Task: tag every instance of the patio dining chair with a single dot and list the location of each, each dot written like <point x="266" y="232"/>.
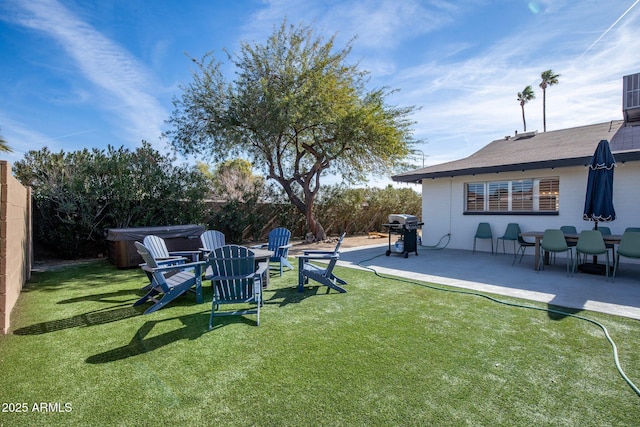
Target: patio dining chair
<point x="523" y="245"/>
<point x="483" y="232"/>
<point x="569" y="229"/>
<point x="553" y="241"/>
<point x="606" y="231"/>
<point x="629" y="247"/>
<point x="590" y="242"/>
<point x="511" y="233"/>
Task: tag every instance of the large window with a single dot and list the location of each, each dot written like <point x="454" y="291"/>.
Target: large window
<point x="536" y="195"/>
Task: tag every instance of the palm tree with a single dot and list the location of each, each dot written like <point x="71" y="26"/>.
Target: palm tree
<point x="548" y="79"/>
<point x="523" y="97"/>
<point x="3" y="146"/>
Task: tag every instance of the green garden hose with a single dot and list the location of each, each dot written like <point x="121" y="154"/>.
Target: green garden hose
<point x="490" y="298"/>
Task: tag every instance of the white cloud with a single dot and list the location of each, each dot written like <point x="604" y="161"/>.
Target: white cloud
<point x="126" y="84"/>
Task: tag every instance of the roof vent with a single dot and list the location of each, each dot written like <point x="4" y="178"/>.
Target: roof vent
<point x="631" y="98"/>
<point x="525" y="135"/>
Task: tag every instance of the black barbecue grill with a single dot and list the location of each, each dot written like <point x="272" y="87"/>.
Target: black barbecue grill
<point x="406" y="228"/>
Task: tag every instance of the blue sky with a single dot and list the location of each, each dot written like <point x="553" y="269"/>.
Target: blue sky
<point x="77" y="74"/>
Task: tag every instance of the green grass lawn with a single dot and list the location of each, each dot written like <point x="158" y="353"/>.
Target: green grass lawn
<point x="386" y="353"/>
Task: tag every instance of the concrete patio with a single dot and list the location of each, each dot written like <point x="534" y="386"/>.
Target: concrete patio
<point x="483" y="272"/>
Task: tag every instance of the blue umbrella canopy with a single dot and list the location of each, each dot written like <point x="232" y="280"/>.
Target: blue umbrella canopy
<point x="598" y="203"/>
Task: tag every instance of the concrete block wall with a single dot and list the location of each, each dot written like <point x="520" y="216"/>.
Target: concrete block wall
<point x="16" y="244"/>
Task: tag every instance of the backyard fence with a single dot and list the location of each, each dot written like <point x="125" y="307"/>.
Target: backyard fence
<point x="16" y="254"/>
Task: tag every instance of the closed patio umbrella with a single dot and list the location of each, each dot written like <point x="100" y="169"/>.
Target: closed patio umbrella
<point x="598" y="202"/>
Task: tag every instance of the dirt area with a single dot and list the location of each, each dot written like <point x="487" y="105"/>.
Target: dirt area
<point x="330" y="244"/>
<point x="298" y="247"/>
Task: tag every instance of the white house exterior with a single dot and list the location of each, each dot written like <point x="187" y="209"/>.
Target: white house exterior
<point x="537" y="180"/>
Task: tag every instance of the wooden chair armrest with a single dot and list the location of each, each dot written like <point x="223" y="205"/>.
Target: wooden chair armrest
<point x="164" y="268"/>
<point x="262" y="267"/>
<point x="329" y="255"/>
<point x="318" y="252"/>
<point x="171" y="259"/>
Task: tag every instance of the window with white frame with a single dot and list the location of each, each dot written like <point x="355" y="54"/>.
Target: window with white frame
<point x="534" y="195"/>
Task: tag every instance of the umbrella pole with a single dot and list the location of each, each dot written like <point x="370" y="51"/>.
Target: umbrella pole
<point x="595" y="257"/>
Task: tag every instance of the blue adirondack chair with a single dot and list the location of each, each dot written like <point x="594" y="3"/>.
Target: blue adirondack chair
<point x="279" y="244"/>
<point x="322" y="274"/>
<point x="211" y="239"/>
<point x="235" y="280"/>
<point x="158" y="249"/>
<point x="169" y="281"/>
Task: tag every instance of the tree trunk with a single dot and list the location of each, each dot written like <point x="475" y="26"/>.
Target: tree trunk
<point x="544" y="110"/>
<point x="306" y="208"/>
<point x="315" y="227"/>
<point x="524" y="122"/>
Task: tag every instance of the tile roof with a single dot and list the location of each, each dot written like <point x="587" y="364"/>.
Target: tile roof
<point x="532" y="150"/>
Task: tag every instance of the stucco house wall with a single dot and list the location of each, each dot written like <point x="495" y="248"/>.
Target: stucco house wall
<point x="443" y="205"/>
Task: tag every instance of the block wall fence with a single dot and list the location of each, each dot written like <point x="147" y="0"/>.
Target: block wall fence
<point x="16" y="243"/>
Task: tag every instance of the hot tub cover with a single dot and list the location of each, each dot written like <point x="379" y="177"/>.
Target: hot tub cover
<point x="166" y="232"/>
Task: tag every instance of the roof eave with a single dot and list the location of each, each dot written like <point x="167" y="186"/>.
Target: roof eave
<point x="546" y="164"/>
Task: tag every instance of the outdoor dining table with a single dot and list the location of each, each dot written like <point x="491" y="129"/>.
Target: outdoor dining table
<point x="569" y="237"/>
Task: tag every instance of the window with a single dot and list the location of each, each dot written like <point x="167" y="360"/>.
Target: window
<point x="535" y="195"/>
<point x="475" y="197"/>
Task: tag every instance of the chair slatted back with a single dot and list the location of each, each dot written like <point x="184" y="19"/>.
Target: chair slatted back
<point x="340" y="240"/>
<point x="279" y="237"/>
<point x="233" y="273"/>
<point x="212" y="239"/>
<point x="146" y="255"/>
<point x="159" y="279"/>
<point x="156" y="246"/>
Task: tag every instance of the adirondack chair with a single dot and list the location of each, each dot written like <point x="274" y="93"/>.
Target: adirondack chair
<point x="158" y="250"/>
<point x="236" y="281"/>
<point x="321" y="274"/>
<point x="170" y="281"/>
<point x="210" y="240"/>
<point x="279" y="244"/>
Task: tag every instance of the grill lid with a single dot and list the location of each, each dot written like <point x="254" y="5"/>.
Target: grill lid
<point x="403" y="219"/>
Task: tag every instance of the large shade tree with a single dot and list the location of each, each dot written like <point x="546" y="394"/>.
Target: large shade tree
<point x="523" y="97"/>
<point x="297" y="109"/>
<point x="548" y="78"/>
